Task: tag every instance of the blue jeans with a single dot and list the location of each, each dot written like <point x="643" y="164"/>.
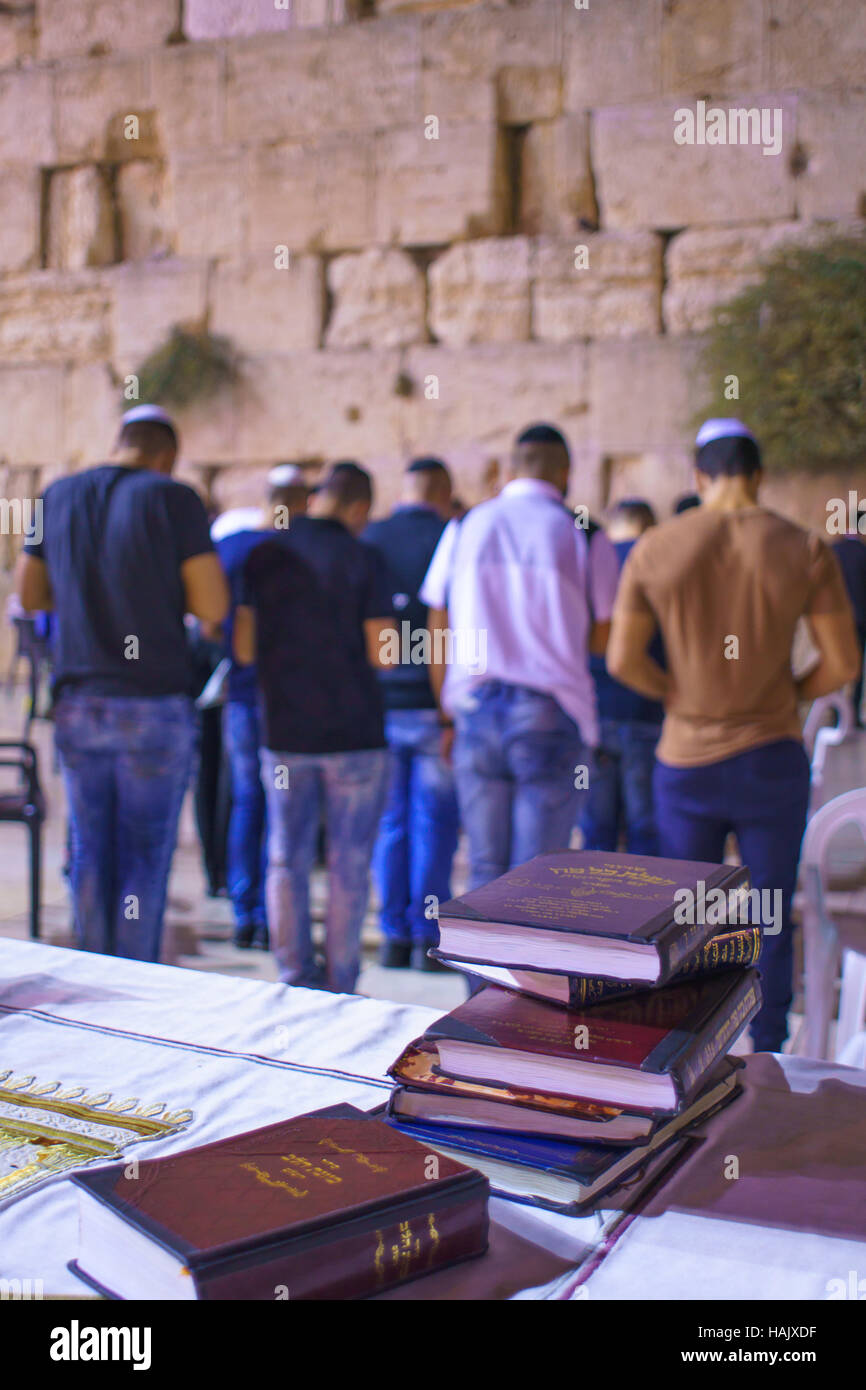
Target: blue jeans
<point x="418" y="831"/>
<point x="515" y="755"/>
<point x="761" y="796"/>
<point x="349" y="790"/>
<point x="620" y="793"/>
<point x="246" y="852"/>
<point x="126" y="764"/>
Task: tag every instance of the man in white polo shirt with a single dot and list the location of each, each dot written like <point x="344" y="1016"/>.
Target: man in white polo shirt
<point x="519" y="594"/>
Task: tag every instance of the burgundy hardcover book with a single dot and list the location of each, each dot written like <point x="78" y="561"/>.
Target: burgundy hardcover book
<point x="648" y="1052"/>
<point x="331" y="1205"/>
<point x="624" y="917"/>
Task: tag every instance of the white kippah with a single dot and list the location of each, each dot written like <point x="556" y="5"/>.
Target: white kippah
<point x="139" y="413"/>
<point x="721" y="429"/>
<point x="287" y="475"/>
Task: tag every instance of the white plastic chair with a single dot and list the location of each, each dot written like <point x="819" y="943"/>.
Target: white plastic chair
<point x="838" y="704"/>
<point x="834" y="923"/>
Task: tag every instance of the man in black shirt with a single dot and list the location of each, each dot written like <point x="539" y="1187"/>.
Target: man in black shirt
<point x="125" y="554"/>
<point x="315" y="608"/>
<point x="418" y="834"/>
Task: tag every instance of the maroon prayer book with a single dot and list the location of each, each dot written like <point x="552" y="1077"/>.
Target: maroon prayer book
<point x="331" y="1205"/>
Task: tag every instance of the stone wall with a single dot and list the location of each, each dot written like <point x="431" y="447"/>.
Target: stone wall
<point x="486" y="218"/>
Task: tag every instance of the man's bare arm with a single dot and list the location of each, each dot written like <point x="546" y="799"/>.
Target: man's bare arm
<point x="32" y="584"/>
<point x="244" y="636"/>
<point x="599" y="636"/>
<point x="628" y="659"/>
<point x="437" y="623"/>
<point x="205" y="587"/>
<point x="836" y="639"/>
<point x="376" y="633"/>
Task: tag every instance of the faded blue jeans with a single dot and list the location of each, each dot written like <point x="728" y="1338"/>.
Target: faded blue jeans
<point x="418" y="833"/>
<point x="515" y="755"/>
<point x="620" y="793"/>
<point x="126" y="764"/>
<point x="349" y="790"/>
<point x="246" y="855"/>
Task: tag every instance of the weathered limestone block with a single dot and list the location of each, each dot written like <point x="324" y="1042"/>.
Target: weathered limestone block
<point x="817" y="45"/>
<point x="713" y="50"/>
<point x="556" y="184"/>
<point x="17" y="35"/>
<point x="529" y="93"/>
<point x="645" y="179"/>
<point x="103" y="26"/>
<point x="359" y="77"/>
<point x="315" y="14"/>
<point x="80" y="226"/>
<point x="606" y="285"/>
<point x="19" y="225"/>
<point x="262" y="309"/>
<point x="26" y="131"/>
<point x="176" y="73"/>
<point x="434" y="191"/>
<point x="612" y="52"/>
<point x="145" y="208"/>
<point x="54" y="316"/>
<point x="483" y="40"/>
<point x="832" y="132"/>
<point x="92" y="405"/>
<point x="479" y="292"/>
<point x="378" y="300"/>
<point x="643" y="394"/>
<point x="150" y="298"/>
<point x="424" y="6"/>
<point x="220" y="19"/>
<point x="325" y="404"/>
<point x="707" y="267"/>
<point x="317" y="195"/>
<point x="209" y="199"/>
<point x="31" y="410"/>
<point x="93" y="103"/>
<point x="457" y="96"/>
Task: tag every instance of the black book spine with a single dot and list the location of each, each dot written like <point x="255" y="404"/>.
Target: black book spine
<point x="719" y="953"/>
<point x="717" y="1036"/>
<point x="678" y="941"/>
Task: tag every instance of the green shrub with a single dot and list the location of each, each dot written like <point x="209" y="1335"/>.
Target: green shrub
<point x="796" y="341"/>
<point x="188" y="367"/>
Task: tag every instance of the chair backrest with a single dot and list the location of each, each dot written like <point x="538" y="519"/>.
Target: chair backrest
<point x="816" y="725"/>
<point x="848" y="809"/>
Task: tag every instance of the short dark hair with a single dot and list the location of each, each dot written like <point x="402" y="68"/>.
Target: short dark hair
<point x="428" y="463"/>
<point x="686" y="502"/>
<point x="732" y="457"/>
<point x="347" y="482"/>
<point x="149" y="437"/>
<point x="543" y="434"/>
<point x="635" y="509"/>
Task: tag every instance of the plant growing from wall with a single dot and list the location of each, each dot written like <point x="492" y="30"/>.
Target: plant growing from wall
<point x="796" y="343"/>
<point x="190" y="366"/>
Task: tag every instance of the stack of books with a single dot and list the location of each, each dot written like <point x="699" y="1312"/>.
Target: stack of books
<point x="609" y="989"/>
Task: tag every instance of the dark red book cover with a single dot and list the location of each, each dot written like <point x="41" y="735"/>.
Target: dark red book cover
<point x="337" y="1202"/>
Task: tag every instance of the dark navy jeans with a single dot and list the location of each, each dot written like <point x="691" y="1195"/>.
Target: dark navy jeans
<point x="418" y="830"/>
<point x="515" y="757"/>
<point x="127" y="763"/>
<point x="761" y="796"/>
<point x="619" y="799"/>
<point x="247" y="850"/>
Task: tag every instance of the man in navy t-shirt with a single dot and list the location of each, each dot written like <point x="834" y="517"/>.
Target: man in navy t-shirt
<point x="418" y="834"/>
<point x="850" y="551"/>
<point x="287" y="498"/>
<point x="125" y="554"/>
<point x="315" y="609"/>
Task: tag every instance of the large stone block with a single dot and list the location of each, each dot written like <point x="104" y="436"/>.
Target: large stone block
<point x="262" y="309"/>
<point x="54" y="316"/>
<point x="220" y="19"/>
<point x="707" y="267"/>
<point x="612" y="52"/>
<point x="482" y="41"/>
<point x="31" y="407"/>
<point x="378" y="300"/>
<point x="557" y="191"/>
<point x="357" y="78"/>
<point x="103" y="26"/>
<point x="80" y="228"/>
<point x="17" y="35"/>
<point x="433" y="191"/>
<point x="26" y="129"/>
<point x="479" y="292"/>
<point x="643" y="394"/>
<point x="93" y="103"/>
<point x="149" y="299"/>
<point x="209" y="193"/>
<point x="529" y="93"/>
<point x="606" y="285"/>
<point x="188" y="124"/>
<point x="832" y="131"/>
<point x="457" y="96"/>
<point x="317" y="195"/>
<point x="144" y="207"/>
<point x="92" y="405"/>
<point x="817" y="45"/>
<point x="713" y="50"/>
<point x="20" y="223"/>
<point x="645" y="179"/>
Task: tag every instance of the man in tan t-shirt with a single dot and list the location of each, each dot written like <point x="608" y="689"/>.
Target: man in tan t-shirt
<point x="726" y="583"/>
